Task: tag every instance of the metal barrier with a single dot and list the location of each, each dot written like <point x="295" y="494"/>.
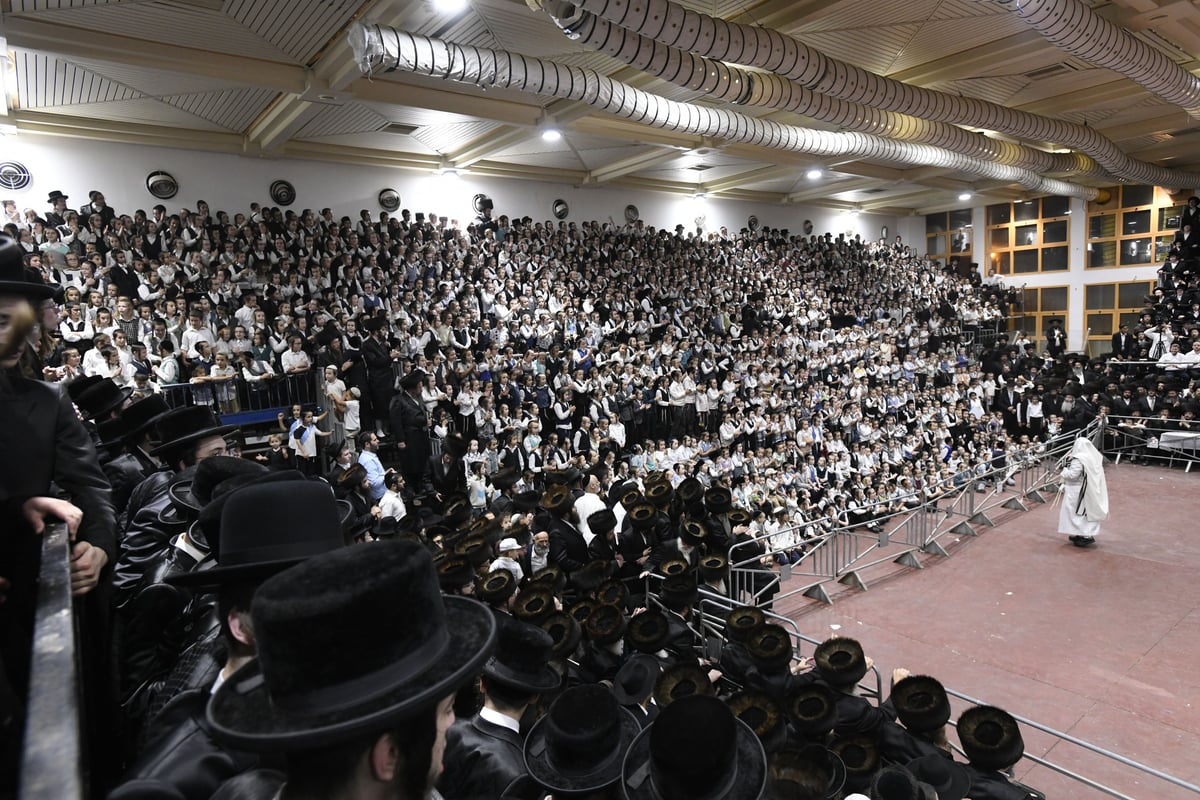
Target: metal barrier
<point x="53" y="749"/>
<point x="843" y="553"/>
<point x="242" y="402"/>
<point x="1132" y="437"/>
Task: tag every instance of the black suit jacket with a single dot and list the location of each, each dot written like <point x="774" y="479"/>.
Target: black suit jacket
<point x="481" y="760"/>
<point x="567" y="547"/>
<point x="994" y="786"/>
<point x="1124" y="344"/>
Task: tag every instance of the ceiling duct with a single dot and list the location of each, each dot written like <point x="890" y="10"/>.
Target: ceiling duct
<point x="379" y="48"/>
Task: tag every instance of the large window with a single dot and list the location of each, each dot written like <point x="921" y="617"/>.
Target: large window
<point x="1111" y="305"/>
<point x="1134" y="228"/>
<point x="948" y="234"/>
<point x="1029" y="236"/>
<point x="1041" y="305"/>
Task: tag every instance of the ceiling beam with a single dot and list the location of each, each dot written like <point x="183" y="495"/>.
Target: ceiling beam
<point x="970" y="62"/>
<point x="646" y="159"/>
<point x="397" y="90"/>
<point x="750" y="177"/>
<point x="823" y="188"/>
<point x="87" y="44"/>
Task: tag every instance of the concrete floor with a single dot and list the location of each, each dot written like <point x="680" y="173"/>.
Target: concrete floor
<point x="1100" y="643"/>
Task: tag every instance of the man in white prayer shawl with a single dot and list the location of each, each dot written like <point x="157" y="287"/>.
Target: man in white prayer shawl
<point x="1085" y="494"/>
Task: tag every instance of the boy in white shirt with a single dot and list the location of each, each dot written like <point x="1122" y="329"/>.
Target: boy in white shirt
<point x="352" y="416"/>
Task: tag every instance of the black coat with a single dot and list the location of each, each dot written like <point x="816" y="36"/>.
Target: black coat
<point x="994" y="786"/>
<point x="152" y="524"/>
<point x="410" y="426"/>
<point x="567" y="547"/>
<point x="183" y="753"/>
<point x="481" y="760"/>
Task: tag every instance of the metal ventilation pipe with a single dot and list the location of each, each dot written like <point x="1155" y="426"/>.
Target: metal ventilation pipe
<point x="379" y="48"/>
<point x="1075" y="28"/>
<point x="766" y="89"/>
<point x="672" y="24"/>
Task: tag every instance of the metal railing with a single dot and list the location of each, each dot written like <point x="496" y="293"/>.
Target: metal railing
<point x="247" y="401"/>
<point x="1147" y="438"/>
<point x="53" y="749"/>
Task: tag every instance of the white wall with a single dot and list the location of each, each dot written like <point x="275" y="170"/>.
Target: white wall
<point x="230" y="183"/>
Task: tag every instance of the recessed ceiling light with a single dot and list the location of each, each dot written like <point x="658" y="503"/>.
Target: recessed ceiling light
<point x="449" y="6"/>
<point x="551" y="134"/>
<point x="813" y="174"/>
<point x="965" y="196"/>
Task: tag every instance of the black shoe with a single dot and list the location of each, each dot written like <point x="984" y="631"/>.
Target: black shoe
<point x="1083" y="541"/>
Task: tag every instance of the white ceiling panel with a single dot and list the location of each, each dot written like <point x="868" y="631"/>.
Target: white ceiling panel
<point x="339" y="120"/>
<point x="232" y="109"/>
<point x="156" y="82"/>
<point x="46" y="81"/>
<point x="148" y="111"/>
<point x="448" y="138"/>
<point x="299" y="28"/>
<point x="383" y="142"/>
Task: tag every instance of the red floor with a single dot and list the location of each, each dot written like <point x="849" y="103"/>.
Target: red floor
<point x="1101" y="643"/>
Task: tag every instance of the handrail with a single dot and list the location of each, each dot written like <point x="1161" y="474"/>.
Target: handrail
<point x="53" y="747"/>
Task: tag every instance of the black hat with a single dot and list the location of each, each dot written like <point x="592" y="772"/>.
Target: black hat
<point x="605" y="625"/>
<point x="375" y="324"/>
<point x="741" y="621"/>
<point x="56" y="195"/>
<point x="812" y="710"/>
<point x="185" y="426"/>
<point x="659" y="493"/>
<point x="304" y="522"/>
<point x="762" y="714"/>
<point x="921" y="703"/>
<point x="949" y="779"/>
<point x="693" y="533"/>
<point x="14" y="279"/>
<point x="111" y="432"/>
<point x="551" y="577"/>
<point x="689" y="490"/>
<point x="648" y="632"/>
<point x="140" y="414"/>
<point x="860" y="755"/>
<point x="565" y="631"/>
<point x="840" y="661"/>
<point x="526" y="501"/>
<point x="589" y="577"/>
<point x="522" y="659"/>
<point x="80" y="385"/>
<point x="714" y="567"/>
<point x="453" y="573"/>
<point x="806" y="771"/>
<point x="895" y="783"/>
<point x="534" y="604"/>
<point x="678" y="592"/>
<point x="191" y="492"/>
<point x="695" y="748"/>
<point x="770" y="646"/>
<point x="496" y="587"/>
<point x="681" y="680"/>
<point x="635" y="679"/>
<point x="579" y="745"/>
<point x="474" y="549"/>
<point x="739" y="516"/>
<point x="505" y="478"/>
<point x="455" y="445"/>
<point x="556" y="499"/>
<point x="674" y="566"/>
<point x="206" y="532"/>
<point x="990" y="738"/>
<point x="412" y="380"/>
<point x="718" y="500"/>
<point x="602" y="522"/>
<point x="642" y="515"/>
<point x="102" y="398"/>
<point x="613" y="592"/>
<point x="582" y="610"/>
<point x="349" y="644"/>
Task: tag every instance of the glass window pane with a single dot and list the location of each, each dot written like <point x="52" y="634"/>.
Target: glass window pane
<point x="1102" y="226"/>
<point x="960" y="241"/>
<point x="1133" y="222"/>
<point x="1055" y="207"/>
<point x="999" y="214"/>
<point x="1137" y="251"/>
<point x="1026" y="211"/>
<point x="1168" y="218"/>
<point x="961" y="218"/>
<point x="1054" y="232"/>
<point x="1031" y="301"/>
<point x="935" y="223"/>
<point x="1130" y="318"/>
<point x="1099" y="296"/>
<point x="1054" y="298"/>
<point x="1054" y="259"/>
<point x="1026" y="235"/>
<point x="1025" y="261"/>
<point x="935" y="245"/>
<point x="1102" y="254"/>
<point x="1162" y="247"/>
<point x="1133" y="295"/>
<point x="1100" y="324"/>
<point x="1136" y="196"/>
<point x="1001" y="262"/>
<point x="998" y="237"/>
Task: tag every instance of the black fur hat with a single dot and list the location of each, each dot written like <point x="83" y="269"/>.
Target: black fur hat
<point x="349" y="644"/>
<point x="921" y="703"/>
<point x="840" y="661"/>
<point x="990" y="738"/>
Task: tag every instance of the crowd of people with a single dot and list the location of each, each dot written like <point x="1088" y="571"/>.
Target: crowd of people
<point x="572" y="424"/>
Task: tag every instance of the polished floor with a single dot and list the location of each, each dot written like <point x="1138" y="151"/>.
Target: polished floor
<point x="1102" y="643"/>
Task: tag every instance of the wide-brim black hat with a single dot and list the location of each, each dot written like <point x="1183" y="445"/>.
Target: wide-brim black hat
<point x="648" y="632"/>
<point x="613" y="592"/>
<point x="505" y="478"/>
<point x="990" y="737"/>
<point x="141" y="414"/>
<point x="496" y="587"/>
<point x="350" y="644"/>
<point x="812" y="710"/>
<point x="186" y="426"/>
<point x="948" y="778"/>
<point x="304" y="521"/>
<point x="526" y="501"/>
<point x="521" y="660"/>
<point x="580" y="746"/>
<point x="718" y="500"/>
<point x="745" y="777"/>
<point x="103" y="398"/>
<point x="565" y="631"/>
<point x="454" y="445"/>
<point x="14" y="279"/>
<point x="412" y="380"/>
<point x="921" y="703"/>
<point x="806" y="766"/>
<point x="635" y="680"/>
<point x="689" y="491"/>
<point x="556" y="499"/>
<point x="550" y="577"/>
<point x="660" y="493"/>
<point x="193" y="491"/>
<point x="840" y="661"/>
<point x="860" y="755"/>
